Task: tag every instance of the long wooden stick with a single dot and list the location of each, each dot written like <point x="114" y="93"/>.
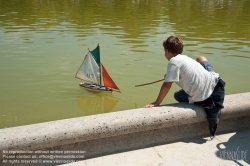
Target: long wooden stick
<point x="149" y="83"/>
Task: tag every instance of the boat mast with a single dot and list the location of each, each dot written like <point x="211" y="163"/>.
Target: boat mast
<point x="100" y="64"/>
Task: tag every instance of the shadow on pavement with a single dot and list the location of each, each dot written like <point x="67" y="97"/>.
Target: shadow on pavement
<point x="236" y="149"/>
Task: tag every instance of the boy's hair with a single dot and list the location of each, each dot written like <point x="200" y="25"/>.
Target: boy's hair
<point x="174" y="45"/>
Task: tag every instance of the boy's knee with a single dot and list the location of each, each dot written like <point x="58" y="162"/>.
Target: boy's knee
<point x="175" y="96"/>
<point x="181" y="96"/>
<point x="178" y="96"/>
<point x="201" y="59"/>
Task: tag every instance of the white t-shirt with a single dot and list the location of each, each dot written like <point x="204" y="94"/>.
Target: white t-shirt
<point x="192" y="77"/>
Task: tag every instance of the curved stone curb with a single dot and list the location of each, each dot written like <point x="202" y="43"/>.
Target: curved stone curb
<point x="97" y="127"/>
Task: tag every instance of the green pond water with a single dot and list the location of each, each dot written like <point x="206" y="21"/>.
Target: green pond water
<point x="43" y="43"/>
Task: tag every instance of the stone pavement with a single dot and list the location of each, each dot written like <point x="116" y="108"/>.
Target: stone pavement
<point x="224" y="150"/>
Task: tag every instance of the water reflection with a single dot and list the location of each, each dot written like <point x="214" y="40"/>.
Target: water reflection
<point x="82" y="15"/>
<point x="131" y="21"/>
<point x="238" y="56"/>
<point x="97" y="103"/>
<point x="211" y="18"/>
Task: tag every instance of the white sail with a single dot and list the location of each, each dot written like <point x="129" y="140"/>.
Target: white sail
<point x="89" y="70"/>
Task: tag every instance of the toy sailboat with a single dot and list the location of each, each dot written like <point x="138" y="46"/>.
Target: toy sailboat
<point x="93" y="72"/>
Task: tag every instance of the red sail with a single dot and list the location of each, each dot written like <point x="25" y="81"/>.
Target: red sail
<point x="107" y="80"/>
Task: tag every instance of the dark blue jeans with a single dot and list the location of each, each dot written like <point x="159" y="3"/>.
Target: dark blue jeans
<point x="213" y="104"/>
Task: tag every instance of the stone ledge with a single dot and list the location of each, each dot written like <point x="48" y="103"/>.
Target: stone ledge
<point x="125" y="130"/>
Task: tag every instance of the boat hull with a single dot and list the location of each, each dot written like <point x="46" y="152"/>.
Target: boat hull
<point x="96" y="88"/>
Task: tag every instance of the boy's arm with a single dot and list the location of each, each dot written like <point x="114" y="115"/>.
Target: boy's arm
<point x="163" y="92"/>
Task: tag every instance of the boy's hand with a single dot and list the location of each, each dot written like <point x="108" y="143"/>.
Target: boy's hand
<point x="150" y="105"/>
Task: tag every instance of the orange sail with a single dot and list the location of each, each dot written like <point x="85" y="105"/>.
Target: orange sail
<point x="107" y="80"/>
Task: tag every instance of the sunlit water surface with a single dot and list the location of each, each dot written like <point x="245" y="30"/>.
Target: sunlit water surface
<point x="42" y="44"/>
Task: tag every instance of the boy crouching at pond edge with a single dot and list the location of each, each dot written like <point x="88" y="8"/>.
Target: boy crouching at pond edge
<point x="199" y="83"/>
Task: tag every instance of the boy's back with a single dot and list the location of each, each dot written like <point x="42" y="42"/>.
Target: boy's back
<point x="191" y="77"/>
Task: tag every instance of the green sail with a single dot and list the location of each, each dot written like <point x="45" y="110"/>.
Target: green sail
<point x="96" y="54"/>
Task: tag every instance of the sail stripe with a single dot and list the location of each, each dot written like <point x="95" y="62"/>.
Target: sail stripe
<point x="96" y="54"/>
